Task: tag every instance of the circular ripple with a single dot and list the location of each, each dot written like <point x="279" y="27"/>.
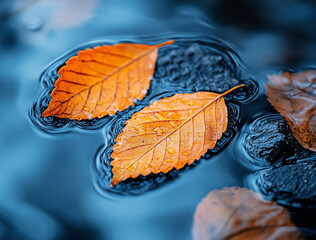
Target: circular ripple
<point x="267" y="141"/>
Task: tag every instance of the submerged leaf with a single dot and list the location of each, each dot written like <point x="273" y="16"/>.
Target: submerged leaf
<point x="239" y="213"/>
<point x="170" y="133"/>
<point x="103" y="80"/>
<point x="294" y="96"/>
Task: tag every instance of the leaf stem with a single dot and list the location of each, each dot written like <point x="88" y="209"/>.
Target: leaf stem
<point x="232" y="89"/>
<point x="165" y="43"/>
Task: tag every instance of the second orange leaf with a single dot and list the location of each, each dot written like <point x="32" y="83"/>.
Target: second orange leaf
<point x="170" y="133"/>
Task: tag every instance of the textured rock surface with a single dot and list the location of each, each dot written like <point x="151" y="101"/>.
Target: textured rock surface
<point x="269" y="142"/>
<point x="293" y="184"/>
<point x="193" y="67"/>
<point x="287" y="171"/>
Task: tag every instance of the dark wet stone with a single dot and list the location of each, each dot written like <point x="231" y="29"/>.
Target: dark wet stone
<point x="201" y="70"/>
<point x="291" y="185"/>
<point x="269" y="142"/>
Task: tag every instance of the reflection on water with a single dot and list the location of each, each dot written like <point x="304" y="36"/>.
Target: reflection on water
<point x="46" y="183"/>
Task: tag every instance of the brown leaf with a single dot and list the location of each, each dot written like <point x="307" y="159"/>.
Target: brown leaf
<point x="294" y="97"/>
<point x="168" y="134"/>
<point x="239" y="213"/>
<point x="103" y="80"/>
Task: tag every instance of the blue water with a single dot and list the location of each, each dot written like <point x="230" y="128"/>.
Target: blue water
<point x="48" y="180"/>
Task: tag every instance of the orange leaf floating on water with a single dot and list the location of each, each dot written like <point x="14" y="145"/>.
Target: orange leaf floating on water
<point x="103" y="80"/>
<point x="170" y="133"/>
<point x="239" y="213"/>
<point x="294" y="97"/>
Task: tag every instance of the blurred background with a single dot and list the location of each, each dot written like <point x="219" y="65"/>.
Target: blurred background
<point x="46" y="188"/>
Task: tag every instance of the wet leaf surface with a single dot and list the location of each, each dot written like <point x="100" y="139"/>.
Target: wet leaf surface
<point x="239" y="213"/>
<point x="294" y="96"/>
<point x="292" y="185"/>
<point x="103" y="80"/>
<point x="170" y="133"/>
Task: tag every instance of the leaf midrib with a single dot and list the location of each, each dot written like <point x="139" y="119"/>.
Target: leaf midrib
<point x="111" y="73"/>
<point x="186" y="121"/>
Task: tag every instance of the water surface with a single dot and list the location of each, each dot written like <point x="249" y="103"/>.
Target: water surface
<point x="48" y="171"/>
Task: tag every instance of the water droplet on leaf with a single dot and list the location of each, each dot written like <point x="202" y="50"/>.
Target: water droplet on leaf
<point x="170" y="150"/>
<point x="158" y="130"/>
<point x="191" y="103"/>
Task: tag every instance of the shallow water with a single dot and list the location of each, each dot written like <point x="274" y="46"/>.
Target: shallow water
<point x="48" y="168"/>
<point x="189" y="65"/>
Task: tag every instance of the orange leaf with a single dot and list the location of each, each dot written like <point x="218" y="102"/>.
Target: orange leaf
<point x="294" y="97"/>
<point x="168" y="134"/>
<point x="103" y="80"/>
<point x="239" y="213"/>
